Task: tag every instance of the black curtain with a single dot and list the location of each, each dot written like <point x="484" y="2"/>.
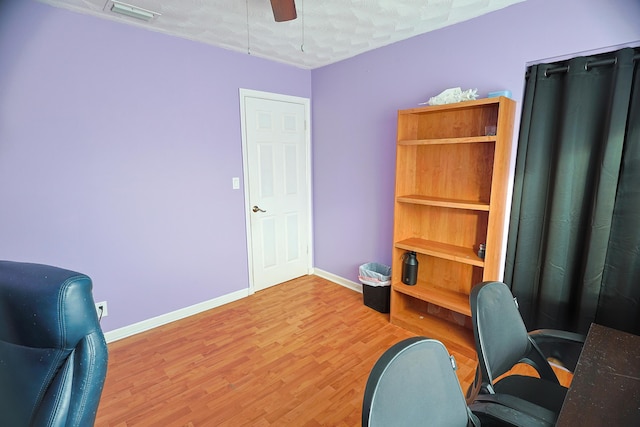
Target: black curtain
<point x="573" y="251"/>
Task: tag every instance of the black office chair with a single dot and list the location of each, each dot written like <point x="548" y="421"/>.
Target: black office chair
<point x="414" y="383"/>
<point x="502" y="341"/>
<point x="53" y="355"/>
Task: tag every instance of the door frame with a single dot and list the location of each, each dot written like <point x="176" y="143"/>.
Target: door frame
<point x="249" y="93"/>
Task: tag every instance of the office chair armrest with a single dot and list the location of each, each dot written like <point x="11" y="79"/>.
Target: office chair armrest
<point x="493" y="414"/>
<point x="556" y="335"/>
<point x="512" y="410"/>
<point x="559" y="347"/>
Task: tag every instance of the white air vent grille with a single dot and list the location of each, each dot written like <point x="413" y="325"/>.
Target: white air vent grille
<point x="129" y="10"/>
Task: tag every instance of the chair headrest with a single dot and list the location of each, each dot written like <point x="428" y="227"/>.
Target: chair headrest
<point x="44" y="306"/>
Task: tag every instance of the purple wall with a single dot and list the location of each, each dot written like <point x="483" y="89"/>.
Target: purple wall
<point x="355" y="103"/>
<point x="117" y="149"/>
<point x="117" y="145"/>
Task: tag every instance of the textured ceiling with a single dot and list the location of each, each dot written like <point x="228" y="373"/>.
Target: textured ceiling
<point x="325" y="32"/>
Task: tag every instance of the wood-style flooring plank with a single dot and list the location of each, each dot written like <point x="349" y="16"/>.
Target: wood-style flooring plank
<point x="296" y="354"/>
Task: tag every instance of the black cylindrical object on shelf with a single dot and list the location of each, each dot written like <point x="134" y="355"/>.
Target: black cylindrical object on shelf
<point x="409" y="268"/>
<point x="482" y="250"/>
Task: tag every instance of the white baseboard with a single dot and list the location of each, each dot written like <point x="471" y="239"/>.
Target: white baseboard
<point x="154" y="322"/>
<point x="339" y="280"/>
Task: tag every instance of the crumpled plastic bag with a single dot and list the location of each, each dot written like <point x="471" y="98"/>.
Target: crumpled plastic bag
<point x="375" y="274"/>
<point x="452" y="95"/>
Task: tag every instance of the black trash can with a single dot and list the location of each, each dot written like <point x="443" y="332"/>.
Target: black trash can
<point x="376" y="286"/>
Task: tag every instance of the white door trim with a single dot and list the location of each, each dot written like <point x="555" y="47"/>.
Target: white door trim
<point x="248" y="93"/>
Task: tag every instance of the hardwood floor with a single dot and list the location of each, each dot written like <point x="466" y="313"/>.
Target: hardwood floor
<point x="297" y="354"/>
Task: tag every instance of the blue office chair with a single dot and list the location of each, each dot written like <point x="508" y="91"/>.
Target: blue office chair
<point x="53" y="355"/>
<point x="502" y="341"/>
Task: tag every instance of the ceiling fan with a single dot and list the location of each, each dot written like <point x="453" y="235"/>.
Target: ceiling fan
<point x="283" y="10"/>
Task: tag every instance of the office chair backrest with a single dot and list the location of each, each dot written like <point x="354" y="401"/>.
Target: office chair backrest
<point x="500" y="334"/>
<point x="53" y="355"/>
<point x="414" y="384"/>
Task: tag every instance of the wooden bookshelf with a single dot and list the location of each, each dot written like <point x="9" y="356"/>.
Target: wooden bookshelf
<point x="451" y="188"/>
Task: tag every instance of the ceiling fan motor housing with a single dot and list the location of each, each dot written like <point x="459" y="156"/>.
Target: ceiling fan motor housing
<point x="284" y="10"/>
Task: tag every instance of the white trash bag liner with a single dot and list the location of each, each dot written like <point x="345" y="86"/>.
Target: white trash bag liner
<point x="374" y="274"/>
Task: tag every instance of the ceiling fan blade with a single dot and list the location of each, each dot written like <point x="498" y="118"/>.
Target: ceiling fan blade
<point x="284" y="10"/>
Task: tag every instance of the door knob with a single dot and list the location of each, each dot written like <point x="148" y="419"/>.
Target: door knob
<point x="257" y="209"/>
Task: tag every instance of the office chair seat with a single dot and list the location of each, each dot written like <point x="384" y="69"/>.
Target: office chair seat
<point x="548" y="394"/>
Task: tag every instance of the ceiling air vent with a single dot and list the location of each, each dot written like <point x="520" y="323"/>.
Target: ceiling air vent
<point x="130" y="10"/>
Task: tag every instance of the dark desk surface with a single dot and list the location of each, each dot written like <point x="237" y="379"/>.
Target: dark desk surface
<point x="605" y="390"/>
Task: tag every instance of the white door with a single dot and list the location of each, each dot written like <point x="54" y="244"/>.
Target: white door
<point x="276" y="147"/>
